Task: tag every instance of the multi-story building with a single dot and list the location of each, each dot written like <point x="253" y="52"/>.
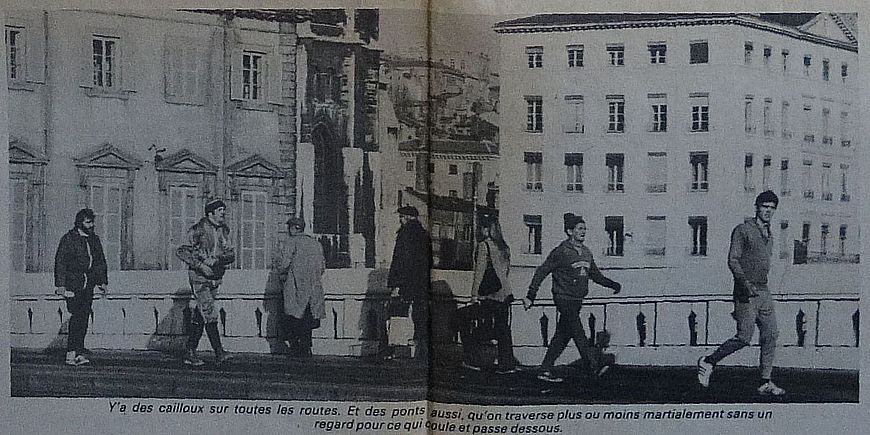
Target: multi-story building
<point x="660" y="130"/>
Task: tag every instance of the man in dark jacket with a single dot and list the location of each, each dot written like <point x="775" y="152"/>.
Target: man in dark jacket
<point x="79" y="266"/>
<point x="207" y="253"/>
<point x="749" y="261"/>
<point x="572" y="266"/>
<point x="410" y="271"/>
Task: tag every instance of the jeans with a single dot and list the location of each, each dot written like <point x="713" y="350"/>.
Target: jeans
<point x="79" y="308"/>
<point x="569" y="326"/>
<point x="759" y="311"/>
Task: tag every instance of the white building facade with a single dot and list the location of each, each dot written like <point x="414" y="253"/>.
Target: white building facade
<point x="660" y="130"/>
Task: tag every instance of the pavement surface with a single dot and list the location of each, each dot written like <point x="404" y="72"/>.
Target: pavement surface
<point x="152" y="374"/>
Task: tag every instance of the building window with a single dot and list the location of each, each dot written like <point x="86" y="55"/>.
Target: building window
<point x="784" y="242"/>
<point x="106" y="61"/>
<point x="826" y="70"/>
<point x="615" y="171"/>
<point x="184" y="211"/>
<point x="826" y="182"/>
<point x="574" y="114"/>
<point x="252" y="231"/>
<point x="844" y="193"/>
<point x="767" y="52"/>
<point x="785" y="61"/>
<point x="806" y="178"/>
<point x="533" y="171"/>
<point x="185" y="72"/>
<point x="765" y="173"/>
<point x="698" y="52"/>
<point x="748" y="183"/>
<point x="823" y="238"/>
<point x="659" y="105"/>
<point x="452" y="169"/>
<point x="747" y="52"/>
<point x="616" y="54"/>
<point x="614" y="227"/>
<point x="765" y="117"/>
<point x="809" y="135"/>
<point x="843" y="229"/>
<point x="700" y="113"/>
<point x="453" y="194"/>
<point x="845" y="130"/>
<point x="431" y="168"/>
<point x="657" y="53"/>
<point x="808" y="60"/>
<point x="535" y="56"/>
<point x="656" y="235"/>
<point x="826" y="130"/>
<point x="105" y="200"/>
<point x="748" y="122"/>
<point x="19" y="231"/>
<point x="698" y="224"/>
<point x="615" y="114"/>
<point x="574" y="172"/>
<point x="805" y="233"/>
<point x="324" y="86"/>
<point x="409" y="166"/>
<point x="699" y="161"/>
<point x="783" y="178"/>
<point x="533" y="227"/>
<point x="575" y="56"/>
<point x="15" y="54"/>
<point x="786" y="133"/>
<point x="252" y="75"/>
<point x="657" y="172"/>
<point x="534" y="114"/>
<point x="844" y="71"/>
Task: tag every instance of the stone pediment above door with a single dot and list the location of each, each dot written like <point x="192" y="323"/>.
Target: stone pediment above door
<point x="20" y="152"/>
<point x="255" y="166"/>
<point x="187" y="161"/>
<point x="109" y="156"/>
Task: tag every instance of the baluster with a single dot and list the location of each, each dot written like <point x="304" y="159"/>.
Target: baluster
<point x="258" y="315"/>
<point x="856" y="326"/>
<point x="800" y="327"/>
<point x="693" y="328"/>
<point x="592" y="338"/>
<point x="223" y="317"/>
<point x="545" y="322"/>
<point x="641" y="328"/>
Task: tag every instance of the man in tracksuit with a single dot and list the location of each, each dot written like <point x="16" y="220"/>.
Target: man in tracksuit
<point x="207" y="253"/>
<point x="572" y="266"/>
<point x="749" y="261"/>
<point x="79" y="266"/>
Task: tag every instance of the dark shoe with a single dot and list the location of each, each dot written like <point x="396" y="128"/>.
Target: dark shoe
<point x="220" y="356"/>
<point x="472" y="367"/>
<point x="191" y="359"/>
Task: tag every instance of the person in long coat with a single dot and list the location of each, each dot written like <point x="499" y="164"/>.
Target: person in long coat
<point x="299" y="267"/>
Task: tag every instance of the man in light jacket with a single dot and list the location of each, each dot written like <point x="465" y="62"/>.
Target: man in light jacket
<point x="299" y="266"/>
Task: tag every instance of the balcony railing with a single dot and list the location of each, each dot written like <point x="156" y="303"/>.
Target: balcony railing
<point x="654" y="251"/>
<point x="809" y="138"/>
<point x="827" y="140"/>
<point x="656" y="187"/>
<point x="786" y="134"/>
<point x="833" y="257"/>
<point x="845" y="143"/>
<point x="809" y="194"/>
<point x="845" y="197"/>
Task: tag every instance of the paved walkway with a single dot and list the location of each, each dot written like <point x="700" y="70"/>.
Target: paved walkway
<point x="261" y="376"/>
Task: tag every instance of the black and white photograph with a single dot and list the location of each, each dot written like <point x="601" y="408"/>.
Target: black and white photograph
<point x="421" y="207"/>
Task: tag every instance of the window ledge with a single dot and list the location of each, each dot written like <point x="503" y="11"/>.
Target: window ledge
<point x="21" y="86"/>
<point x="256" y="106"/>
<point x="96" y="92"/>
<point x="183" y="102"/>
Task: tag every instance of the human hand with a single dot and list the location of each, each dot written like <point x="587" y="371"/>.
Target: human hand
<point x="527" y="303"/>
<point x="59" y="290"/>
<point x="474" y="299"/>
<point x="104" y="289"/>
<point x="617" y="287"/>
<point x="210" y="261"/>
<point x="206" y="270"/>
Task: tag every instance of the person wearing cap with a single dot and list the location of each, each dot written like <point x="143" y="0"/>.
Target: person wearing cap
<point x="410" y="271"/>
<point x="299" y="265"/>
<point x="79" y="266"/>
<point x="572" y="266"/>
<point x="207" y="253"/>
<point x="749" y="262"/>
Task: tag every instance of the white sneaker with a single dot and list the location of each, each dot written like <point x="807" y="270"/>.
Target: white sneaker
<point x="70" y="358"/>
<point x="705" y="371"/>
<point x="770" y="389"/>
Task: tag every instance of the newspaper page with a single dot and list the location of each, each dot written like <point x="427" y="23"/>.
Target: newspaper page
<point x="433" y="217"/>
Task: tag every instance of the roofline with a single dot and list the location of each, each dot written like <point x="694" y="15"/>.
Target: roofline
<point x="736" y="19"/>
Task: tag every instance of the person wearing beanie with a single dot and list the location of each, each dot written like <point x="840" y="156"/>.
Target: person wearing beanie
<point x="79" y="266"/>
<point x="749" y="261"/>
<point x="409" y="274"/>
<point x="207" y="253"/>
<point x="572" y="266"/>
<point x="299" y="266"/>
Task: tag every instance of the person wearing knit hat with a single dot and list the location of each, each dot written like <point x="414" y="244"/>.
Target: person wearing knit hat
<point x="207" y="253"/>
<point x="572" y="266"/>
<point x="749" y="262"/>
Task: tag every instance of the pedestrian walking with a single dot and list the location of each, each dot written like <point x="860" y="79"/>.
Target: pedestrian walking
<point x="749" y="261"/>
<point x="79" y="266"/>
<point x="299" y="266"/>
<point x="207" y="253"/>
<point x="572" y="266"/>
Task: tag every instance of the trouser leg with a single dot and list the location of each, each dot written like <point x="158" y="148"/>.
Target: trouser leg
<point x="767" y="332"/>
<point x="195" y="332"/>
<point x="567" y="315"/>
<point x="744" y="314"/>
<point x="79" y="308"/>
<point x="420" y="318"/>
<point x="501" y="314"/>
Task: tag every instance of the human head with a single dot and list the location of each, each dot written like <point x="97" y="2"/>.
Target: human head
<point x="295" y="225"/>
<point x="575" y="227"/>
<point x="765" y="204"/>
<point x="215" y="211"/>
<point x="85" y="220"/>
<point x="407" y="213"/>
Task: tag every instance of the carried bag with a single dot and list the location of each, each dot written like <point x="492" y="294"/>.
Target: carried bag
<point x="490" y="282"/>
